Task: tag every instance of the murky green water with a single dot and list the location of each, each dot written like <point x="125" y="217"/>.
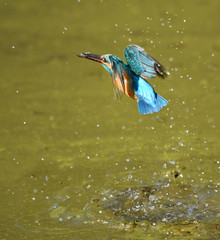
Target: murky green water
<point x="78" y="164"/>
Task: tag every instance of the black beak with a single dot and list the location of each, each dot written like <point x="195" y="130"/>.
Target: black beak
<point x="93" y="57"/>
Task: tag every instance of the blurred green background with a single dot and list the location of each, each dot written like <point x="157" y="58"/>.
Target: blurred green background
<point x="63" y="134"/>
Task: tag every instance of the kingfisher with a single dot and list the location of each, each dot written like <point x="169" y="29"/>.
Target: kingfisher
<point x="131" y="78"/>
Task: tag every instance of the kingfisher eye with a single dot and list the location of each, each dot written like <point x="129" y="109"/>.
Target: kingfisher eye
<point x="103" y="59"/>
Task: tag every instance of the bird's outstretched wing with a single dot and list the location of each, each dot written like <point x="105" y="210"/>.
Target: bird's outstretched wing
<point x="142" y="63"/>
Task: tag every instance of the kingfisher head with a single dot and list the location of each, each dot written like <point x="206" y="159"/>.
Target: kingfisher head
<point x="108" y="61"/>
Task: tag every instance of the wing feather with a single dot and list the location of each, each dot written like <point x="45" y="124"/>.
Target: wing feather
<point x="117" y="76"/>
<point x="142" y="63"/>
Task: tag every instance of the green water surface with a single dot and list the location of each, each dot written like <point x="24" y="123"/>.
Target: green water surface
<point x="70" y="153"/>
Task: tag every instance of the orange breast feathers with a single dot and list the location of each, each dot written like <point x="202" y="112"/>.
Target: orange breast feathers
<point x="124" y="84"/>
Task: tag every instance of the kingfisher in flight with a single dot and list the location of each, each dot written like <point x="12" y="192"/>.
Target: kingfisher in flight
<point x="131" y="78"/>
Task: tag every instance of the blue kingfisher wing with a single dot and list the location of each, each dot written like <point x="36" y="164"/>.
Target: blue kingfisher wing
<point x="122" y="78"/>
<point x="118" y="76"/>
<point x="142" y="63"/>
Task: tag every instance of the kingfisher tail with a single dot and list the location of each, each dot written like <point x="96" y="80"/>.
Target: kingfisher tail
<point x="145" y="108"/>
